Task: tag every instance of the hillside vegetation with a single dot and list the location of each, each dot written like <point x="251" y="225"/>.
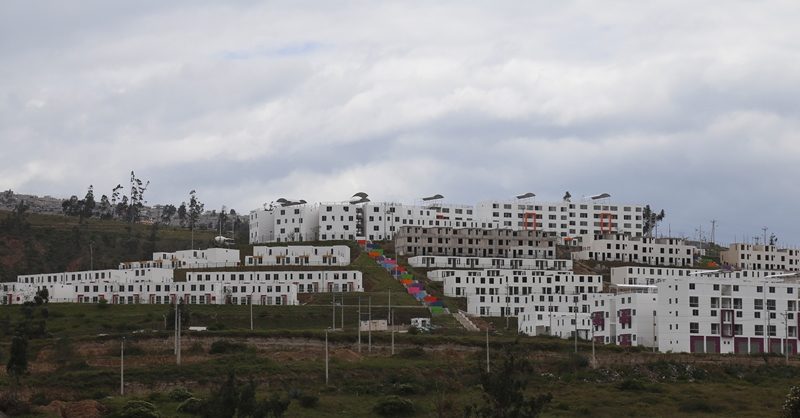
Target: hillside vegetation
<point x="34" y="243"/>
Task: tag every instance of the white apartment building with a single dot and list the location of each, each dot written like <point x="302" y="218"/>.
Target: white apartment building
<point x="635" y="249"/>
<point x="147" y="286"/>
<point x="565" y="218"/>
<point x="761" y="257"/>
<point x="494" y="292"/>
<point x="381" y="220"/>
<point x="439" y="262"/>
<point x="188" y="259"/>
<point x="718" y="314"/>
<point x="631" y="275"/>
<point x="299" y="255"/>
<point x="557" y="315"/>
<point x="306" y="281"/>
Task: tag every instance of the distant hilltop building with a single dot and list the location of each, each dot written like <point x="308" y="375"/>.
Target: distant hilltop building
<point x="360" y="218"/>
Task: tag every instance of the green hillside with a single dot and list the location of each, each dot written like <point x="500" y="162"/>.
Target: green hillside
<point x="34" y="243"/>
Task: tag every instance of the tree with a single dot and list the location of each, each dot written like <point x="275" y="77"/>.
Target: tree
<point x="44" y="294"/>
<point x="791" y="406"/>
<point x="504" y="389"/>
<point x="17" y="365"/>
<point x="88" y="204"/>
<point x="137" y="198"/>
<point x="195" y="209"/>
<point x="224" y="402"/>
<point x="222" y="220"/>
<point x="185" y="315"/>
<point x="651" y="219"/>
<point x="115" y="197"/>
<point x="182" y="214"/>
<point x="105" y="208"/>
<point x="167" y="213"/>
<point x="773" y="239"/>
<point x="247" y="399"/>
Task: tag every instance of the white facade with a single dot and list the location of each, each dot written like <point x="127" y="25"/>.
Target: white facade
<point x="306" y="281"/>
<point x="722" y="315"/>
<point x="652" y="275"/>
<point x="507" y="292"/>
<point x="430" y="261"/>
<point x="380" y="220"/>
<point x="761" y="257"/>
<point x="565" y="218"/>
<point x="632" y="249"/>
<point x="188" y="259"/>
<point x="147" y="286"/>
<point x="299" y="255"/>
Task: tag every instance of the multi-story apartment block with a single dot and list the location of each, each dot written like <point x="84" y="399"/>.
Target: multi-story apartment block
<point x="474" y="242"/>
<point x="188" y="259"/>
<point x="145" y="285"/>
<point x="634" y="249"/>
<point x="439" y="262"/>
<point x="299" y="255"/>
<point x="306" y="281"/>
<point x="716" y="314"/>
<point x="557" y="315"/>
<point x="507" y="292"/>
<point x="565" y="218"/>
<point x="761" y="257"/>
<point x="631" y="275"/>
<point x="381" y="220"/>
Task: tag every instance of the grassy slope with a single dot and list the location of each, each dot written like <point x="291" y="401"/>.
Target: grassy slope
<point x="50" y="243"/>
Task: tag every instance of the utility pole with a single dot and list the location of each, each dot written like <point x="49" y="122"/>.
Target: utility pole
<point x="359" y="324"/>
<point x="389" y="319"/>
<point x="594" y="357"/>
<point x="175" y="324"/>
<point x="765" y="235"/>
<point x="785" y="315"/>
<point x="713" y="230"/>
<point x="341" y="302"/>
<point x="326" y="356"/>
<point x="179" y="338"/>
<point x="575" y="300"/>
<point x="487" y="351"/>
<point x="251" y="312"/>
<point x="390" y="315"/>
<point x="122" y="368"/>
<point x="369" y="329"/>
<point x="333" y="307"/>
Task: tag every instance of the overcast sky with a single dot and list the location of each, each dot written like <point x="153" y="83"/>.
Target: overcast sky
<point x="688" y="106"/>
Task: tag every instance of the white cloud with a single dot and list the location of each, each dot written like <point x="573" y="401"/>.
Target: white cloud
<point x="688" y="106"/>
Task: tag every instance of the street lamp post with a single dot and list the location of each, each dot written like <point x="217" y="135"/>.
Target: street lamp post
<point x="369" y="326"/>
<point x="326" y="356"/>
<point x="359" y="324"/>
<point x="576" y="323"/>
<point x="251" y="310"/>
<point x="122" y="368"/>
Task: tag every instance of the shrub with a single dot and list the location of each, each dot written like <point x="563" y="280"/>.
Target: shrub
<point x="413" y="330"/>
<point x="179" y="394"/>
<point x="192" y="406"/>
<point x="411" y="353"/>
<point x="39" y="398"/>
<point x="102" y="304"/>
<point x="225" y="346"/>
<point x="14" y="406"/>
<point x="630" y="385"/>
<point x="138" y="409"/>
<point x="697" y="405"/>
<point x="405" y="389"/>
<point x="791" y="406"/>
<point x="392" y="406"/>
<point x="309" y="401"/>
